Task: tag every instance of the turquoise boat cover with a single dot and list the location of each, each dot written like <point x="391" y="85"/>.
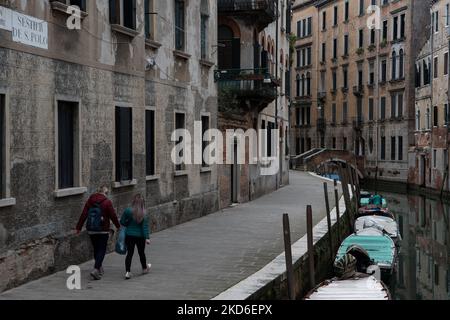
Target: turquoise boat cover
<point x="366" y="201"/>
<point x="381" y="249"/>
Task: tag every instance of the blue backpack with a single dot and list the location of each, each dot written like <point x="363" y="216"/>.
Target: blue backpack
<point x="95" y="217"/>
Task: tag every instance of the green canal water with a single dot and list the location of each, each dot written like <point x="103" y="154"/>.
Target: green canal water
<point x="424" y="257"/>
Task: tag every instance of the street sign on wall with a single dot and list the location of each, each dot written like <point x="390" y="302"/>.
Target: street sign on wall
<point x="29" y="30"/>
<point x="25" y="29"/>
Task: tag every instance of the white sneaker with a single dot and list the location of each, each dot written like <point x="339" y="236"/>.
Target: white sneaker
<point x="127" y="275"/>
<point x="147" y="270"/>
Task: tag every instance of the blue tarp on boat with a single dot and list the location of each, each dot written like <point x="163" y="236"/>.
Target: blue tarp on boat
<point x="380" y="248"/>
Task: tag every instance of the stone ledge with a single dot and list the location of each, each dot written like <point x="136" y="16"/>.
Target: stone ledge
<point x="124" y="184"/>
<point x="69" y="192"/>
<point x="206" y="63"/>
<point x="181" y="54"/>
<point x="124" y="30"/>
<point x="180" y="173"/>
<point x="152" y="44"/>
<point x="7" y="202"/>
<point x="62" y="7"/>
<point x="205" y="169"/>
<point x="152" y="178"/>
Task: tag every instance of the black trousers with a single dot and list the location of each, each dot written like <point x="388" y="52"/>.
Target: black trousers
<point x="99" y="242"/>
<point x="131" y="242"/>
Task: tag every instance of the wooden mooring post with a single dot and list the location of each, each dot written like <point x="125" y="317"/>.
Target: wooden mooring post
<point x="336" y="200"/>
<point x="327" y="205"/>
<point x="348" y="203"/>
<point x="288" y="256"/>
<point x="309" y="231"/>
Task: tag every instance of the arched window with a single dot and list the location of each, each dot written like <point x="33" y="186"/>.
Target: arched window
<point x="394" y="65"/>
<point x="281" y="57"/>
<point x="401" y="64"/>
<point x="418" y="76"/>
<point x="425" y="73"/>
<point x="229" y="50"/>
<point x="297" y="85"/>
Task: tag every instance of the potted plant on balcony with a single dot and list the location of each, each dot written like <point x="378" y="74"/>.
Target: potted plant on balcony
<point x="383" y="43"/>
<point x="359" y="51"/>
<point x="372" y="47"/>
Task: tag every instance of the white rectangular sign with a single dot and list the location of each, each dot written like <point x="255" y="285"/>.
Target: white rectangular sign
<point x="29" y="30"/>
<point x="5" y="18"/>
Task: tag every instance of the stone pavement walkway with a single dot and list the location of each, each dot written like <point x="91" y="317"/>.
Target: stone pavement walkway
<point x="201" y="258"/>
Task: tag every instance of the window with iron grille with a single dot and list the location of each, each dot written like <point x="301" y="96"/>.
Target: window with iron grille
<point x="124" y="157"/>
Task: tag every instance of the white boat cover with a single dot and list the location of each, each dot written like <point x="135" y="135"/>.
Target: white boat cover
<point x="378" y="222"/>
<point x="367" y="288"/>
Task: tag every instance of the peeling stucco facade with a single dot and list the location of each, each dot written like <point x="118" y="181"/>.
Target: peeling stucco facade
<point x="101" y="67"/>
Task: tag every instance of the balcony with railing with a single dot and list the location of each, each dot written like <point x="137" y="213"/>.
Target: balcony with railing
<point x="358" y="90"/>
<point x="261" y="12"/>
<point x="256" y="85"/>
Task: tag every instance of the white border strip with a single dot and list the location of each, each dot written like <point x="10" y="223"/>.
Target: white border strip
<point x="277" y="267"/>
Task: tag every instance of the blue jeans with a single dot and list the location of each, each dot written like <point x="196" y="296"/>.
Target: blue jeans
<point x="99" y="242"/>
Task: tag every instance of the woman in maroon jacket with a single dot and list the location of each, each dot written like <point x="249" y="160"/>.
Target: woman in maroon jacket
<point x="99" y="239"/>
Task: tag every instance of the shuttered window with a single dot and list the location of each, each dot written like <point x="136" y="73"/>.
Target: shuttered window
<point x="66" y="143"/>
<point x="124" y="158"/>
<point x="149" y="142"/>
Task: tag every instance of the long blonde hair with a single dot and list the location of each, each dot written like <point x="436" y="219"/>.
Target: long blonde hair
<point x="138" y="208"/>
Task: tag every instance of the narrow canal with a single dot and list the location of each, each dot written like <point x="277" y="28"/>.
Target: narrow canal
<point x="424" y="260"/>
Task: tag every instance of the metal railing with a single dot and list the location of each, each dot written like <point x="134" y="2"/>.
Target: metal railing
<point x="247" y="5"/>
<point x="244" y="79"/>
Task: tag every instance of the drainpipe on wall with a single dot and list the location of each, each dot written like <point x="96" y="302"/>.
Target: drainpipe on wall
<point x="277" y="95"/>
<point x="431" y="95"/>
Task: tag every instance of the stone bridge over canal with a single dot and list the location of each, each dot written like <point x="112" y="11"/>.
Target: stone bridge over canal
<point x="314" y="159"/>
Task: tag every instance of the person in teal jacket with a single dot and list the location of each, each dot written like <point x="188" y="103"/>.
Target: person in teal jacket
<point x="135" y="220"/>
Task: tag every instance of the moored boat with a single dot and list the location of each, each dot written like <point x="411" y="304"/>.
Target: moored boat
<point x="374" y="211"/>
<point x="355" y="288"/>
<point x="383" y="223"/>
<point x="379" y="246"/>
<point x="366" y="199"/>
<point x="350" y="282"/>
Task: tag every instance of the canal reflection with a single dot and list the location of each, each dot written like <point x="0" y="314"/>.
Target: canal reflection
<point x="423" y="264"/>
